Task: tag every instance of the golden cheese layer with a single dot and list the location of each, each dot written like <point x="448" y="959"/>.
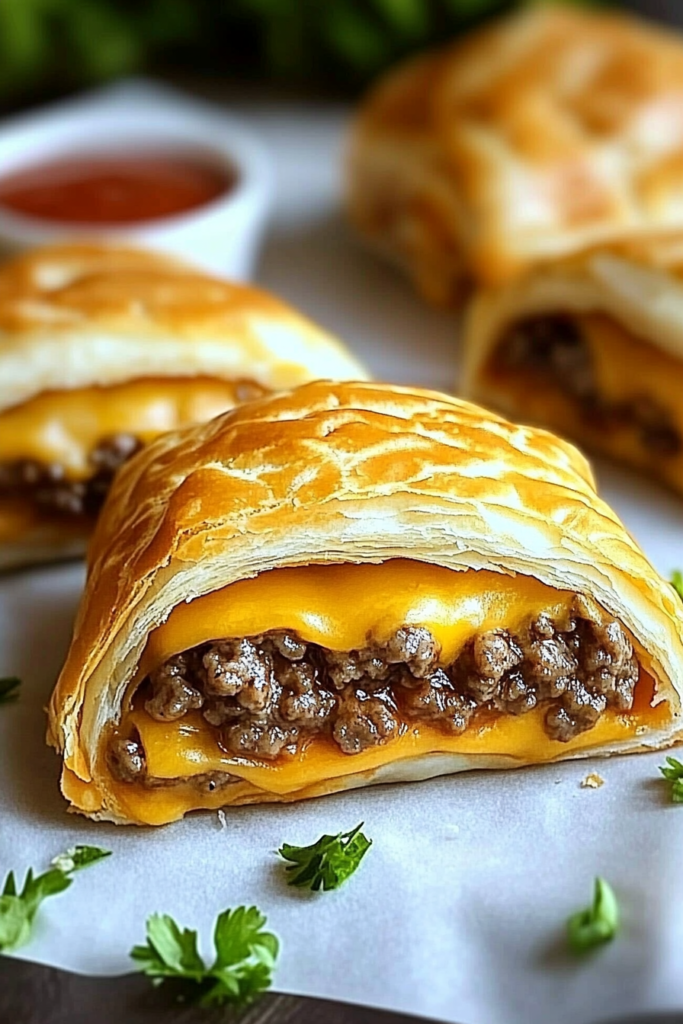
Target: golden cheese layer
<point x="340" y="607"/>
<point x="625" y="368"/>
<point x="64" y="426"/>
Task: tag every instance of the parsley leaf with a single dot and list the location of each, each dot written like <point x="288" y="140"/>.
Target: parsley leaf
<point x="79" y="857"/>
<point x="598" y="923"/>
<point x="674" y="774"/>
<point x="676" y="582"/>
<point x="245" y="957"/>
<point x="9" y="689"/>
<point x="327" y="863"/>
<point x="18" y="909"/>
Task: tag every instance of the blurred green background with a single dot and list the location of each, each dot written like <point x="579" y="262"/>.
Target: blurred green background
<point x="48" y="47"/>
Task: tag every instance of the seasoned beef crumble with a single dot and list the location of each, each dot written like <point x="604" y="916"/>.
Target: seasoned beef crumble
<point x="270" y="693"/>
<point x="555" y="348"/>
<point x="47" y="486"/>
<point x="127" y="762"/>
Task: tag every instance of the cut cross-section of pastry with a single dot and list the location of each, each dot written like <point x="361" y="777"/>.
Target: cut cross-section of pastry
<point x="101" y="350"/>
<point x="352" y="584"/>
<point x="548" y="131"/>
<point x="592" y="347"/>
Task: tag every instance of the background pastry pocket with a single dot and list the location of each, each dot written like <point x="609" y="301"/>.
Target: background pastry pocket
<point x="591" y="347"/>
<point x="104" y="349"/>
<point x="528" y="141"/>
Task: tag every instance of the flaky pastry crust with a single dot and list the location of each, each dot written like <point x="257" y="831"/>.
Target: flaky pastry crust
<point x="554" y="129"/>
<point x="339" y="473"/>
<point x="78" y="316"/>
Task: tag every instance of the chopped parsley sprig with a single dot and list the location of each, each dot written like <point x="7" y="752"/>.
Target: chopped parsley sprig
<point x="598" y="923"/>
<point x="673" y="773"/>
<point x="9" y="689"/>
<point x="79" y="857"/>
<point x="326" y="863"/>
<point x="243" y="968"/>
<point x="18" y="909"/>
<point x="676" y="582"/>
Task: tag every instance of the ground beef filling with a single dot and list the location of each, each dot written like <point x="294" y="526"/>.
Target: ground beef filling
<point x="46" y="485"/>
<point x="127" y="762"/>
<point x="268" y="694"/>
<point x="555" y="348"/>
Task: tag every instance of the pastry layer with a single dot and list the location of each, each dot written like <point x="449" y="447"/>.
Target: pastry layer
<point x="84" y="316"/>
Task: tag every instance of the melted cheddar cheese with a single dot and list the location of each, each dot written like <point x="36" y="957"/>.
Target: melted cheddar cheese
<point x="341" y="607"/>
<point x="625" y="366"/>
<point x="64" y="426"/>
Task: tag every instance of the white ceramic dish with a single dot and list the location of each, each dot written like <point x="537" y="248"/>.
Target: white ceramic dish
<point x="222" y="236"/>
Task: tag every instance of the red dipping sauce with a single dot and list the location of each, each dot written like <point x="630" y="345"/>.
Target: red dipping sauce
<point x="116" y="189"/>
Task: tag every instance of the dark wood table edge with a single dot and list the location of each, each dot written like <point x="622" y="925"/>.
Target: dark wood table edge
<point x="35" y="994"/>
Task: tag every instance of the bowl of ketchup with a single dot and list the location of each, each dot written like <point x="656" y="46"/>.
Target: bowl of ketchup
<point x="113" y="189"/>
<point x="137" y="165"/>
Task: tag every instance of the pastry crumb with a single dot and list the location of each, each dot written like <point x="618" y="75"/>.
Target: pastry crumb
<point x="592" y="781"/>
<point x="222" y="819"/>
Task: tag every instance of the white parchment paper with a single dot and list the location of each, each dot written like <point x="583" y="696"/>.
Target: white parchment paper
<point x="458" y="910"/>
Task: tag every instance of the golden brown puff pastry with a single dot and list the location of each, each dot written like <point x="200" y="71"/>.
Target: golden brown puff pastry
<point x="101" y="350"/>
<point x="552" y="130"/>
<point x="352" y="584"/>
<point x="592" y="347"/>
